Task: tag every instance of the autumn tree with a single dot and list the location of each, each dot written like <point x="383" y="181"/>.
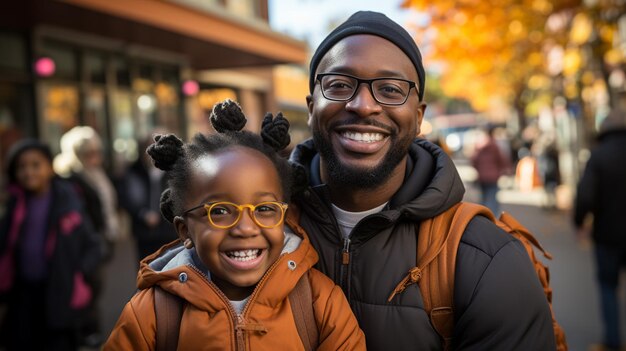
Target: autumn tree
<point x="490" y="50"/>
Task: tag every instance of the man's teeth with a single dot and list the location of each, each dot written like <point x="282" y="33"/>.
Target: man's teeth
<point x="244" y="255"/>
<point x="363" y="137"/>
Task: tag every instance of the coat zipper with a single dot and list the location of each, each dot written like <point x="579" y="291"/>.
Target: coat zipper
<point x="239" y="336"/>
<point x="260" y="284"/>
<point x="239" y="341"/>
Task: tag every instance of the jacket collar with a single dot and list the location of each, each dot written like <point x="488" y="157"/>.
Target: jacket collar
<point x="164" y="268"/>
<point x="431" y="186"/>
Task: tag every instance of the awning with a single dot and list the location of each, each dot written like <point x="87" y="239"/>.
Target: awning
<point x="209" y="39"/>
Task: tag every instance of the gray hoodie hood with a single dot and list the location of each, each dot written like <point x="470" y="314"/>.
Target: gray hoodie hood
<point x="180" y="256"/>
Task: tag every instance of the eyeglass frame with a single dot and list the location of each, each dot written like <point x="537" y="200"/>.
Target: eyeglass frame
<point x="209" y="206"/>
<point x="412" y="84"/>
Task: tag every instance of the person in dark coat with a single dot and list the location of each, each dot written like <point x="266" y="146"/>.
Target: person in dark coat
<point x="371" y="183"/>
<point x="601" y="193"/>
<point x="490" y="163"/>
<point x="47" y="247"/>
<point x="140" y="194"/>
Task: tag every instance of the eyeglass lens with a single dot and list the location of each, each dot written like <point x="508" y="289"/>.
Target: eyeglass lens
<point x="224" y="214"/>
<point x="387" y="91"/>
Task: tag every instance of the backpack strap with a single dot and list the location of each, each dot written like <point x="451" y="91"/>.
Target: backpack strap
<point x="437" y="244"/>
<point x="301" y="301"/>
<point x="169" y="311"/>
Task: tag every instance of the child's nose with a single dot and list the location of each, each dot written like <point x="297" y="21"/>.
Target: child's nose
<point x="246" y="225"/>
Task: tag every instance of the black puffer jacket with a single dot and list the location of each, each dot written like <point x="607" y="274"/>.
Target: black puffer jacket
<point x="602" y="190"/>
<point x="499" y="302"/>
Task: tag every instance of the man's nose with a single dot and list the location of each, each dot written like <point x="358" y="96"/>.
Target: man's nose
<point x="363" y="102"/>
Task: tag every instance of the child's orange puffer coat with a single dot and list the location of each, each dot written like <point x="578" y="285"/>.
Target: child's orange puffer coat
<point x="208" y="321"/>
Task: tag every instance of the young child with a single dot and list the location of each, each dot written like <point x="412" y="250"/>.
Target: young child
<point x="237" y="265"/>
<point x="46" y="247"/>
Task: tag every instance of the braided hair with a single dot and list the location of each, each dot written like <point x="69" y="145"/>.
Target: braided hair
<point x="170" y="154"/>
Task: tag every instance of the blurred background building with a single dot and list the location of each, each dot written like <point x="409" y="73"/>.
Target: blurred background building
<point x="125" y="67"/>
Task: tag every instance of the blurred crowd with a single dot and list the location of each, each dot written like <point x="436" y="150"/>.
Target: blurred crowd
<point x="61" y="218"/>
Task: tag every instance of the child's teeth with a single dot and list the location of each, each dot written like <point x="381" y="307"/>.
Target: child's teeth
<point x="243" y="255"/>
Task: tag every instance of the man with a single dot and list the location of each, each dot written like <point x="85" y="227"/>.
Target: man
<point x="601" y="193"/>
<point x="372" y="183"/>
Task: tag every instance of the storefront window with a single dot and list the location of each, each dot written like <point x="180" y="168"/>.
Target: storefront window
<point x="122" y="73"/>
<point x="95" y="67"/>
<point x="15" y="117"/>
<point x="60" y="111"/>
<point x="64" y="58"/>
<point x="200" y="106"/>
<point x="168" y="111"/>
<point x="122" y="129"/>
<point x="12" y="52"/>
<point x="95" y="111"/>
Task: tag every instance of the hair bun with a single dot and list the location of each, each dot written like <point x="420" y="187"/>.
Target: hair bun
<point x="227" y="117"/>
<point x="167" y="205"/>
<point x="275" y="131"/>
<point x="165" y="151"/>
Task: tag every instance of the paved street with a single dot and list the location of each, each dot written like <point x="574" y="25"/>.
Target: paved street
<point x="575" y="296"/>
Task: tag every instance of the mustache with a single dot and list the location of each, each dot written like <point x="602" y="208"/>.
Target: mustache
<point x="354" y="120"/>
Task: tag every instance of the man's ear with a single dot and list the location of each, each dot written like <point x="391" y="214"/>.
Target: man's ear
<point x="309" y="105"/>
<point x="181" y="228"/>
<point x="421" y="109"/>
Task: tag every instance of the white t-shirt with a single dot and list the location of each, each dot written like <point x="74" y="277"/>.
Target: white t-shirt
<point x="239" y="305"/>
<point x="347" y="220"/>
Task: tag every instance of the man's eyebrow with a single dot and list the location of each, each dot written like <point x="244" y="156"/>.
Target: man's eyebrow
<point x="351" y="71"/>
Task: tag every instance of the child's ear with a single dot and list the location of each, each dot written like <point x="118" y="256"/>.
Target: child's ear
<point x="181" y="228"/>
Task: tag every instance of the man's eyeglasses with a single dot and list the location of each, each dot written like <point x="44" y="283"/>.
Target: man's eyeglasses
<point x="343" y="87"/>
<point x="224" y="215"/>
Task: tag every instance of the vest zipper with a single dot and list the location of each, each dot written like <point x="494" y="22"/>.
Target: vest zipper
<point x="345" y="255"/>
<point x="344" y="269"/>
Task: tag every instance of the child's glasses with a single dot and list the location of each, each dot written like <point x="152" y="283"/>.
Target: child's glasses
<point x="224" y="215"/>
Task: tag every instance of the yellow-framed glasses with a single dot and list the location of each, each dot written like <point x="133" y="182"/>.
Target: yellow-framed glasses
<point x="224" y="215"/>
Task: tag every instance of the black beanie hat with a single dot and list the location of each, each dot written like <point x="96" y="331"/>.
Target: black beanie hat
<point x="374" y="23"/>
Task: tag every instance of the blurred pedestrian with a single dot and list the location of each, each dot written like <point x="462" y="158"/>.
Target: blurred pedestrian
<point x="548" y="167"/>
<point x="82" y="160"/>
<point x="490" y="163"/>
<point x="601" y="193"/>
<point x="47" y="246"/>
<point x="140" y="194"/>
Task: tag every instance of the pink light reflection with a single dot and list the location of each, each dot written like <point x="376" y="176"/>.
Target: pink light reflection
<point x="45" y="67"/>
<point x="190" y="87"/>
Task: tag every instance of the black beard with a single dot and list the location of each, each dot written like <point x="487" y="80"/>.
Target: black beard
<point x="360" y="178"/>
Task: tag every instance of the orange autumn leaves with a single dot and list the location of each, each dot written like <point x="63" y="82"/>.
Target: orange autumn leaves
<point x="488" y="50"/>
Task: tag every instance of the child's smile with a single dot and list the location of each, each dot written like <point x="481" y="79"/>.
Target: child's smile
<point x="241" y="189"/>
<point x="244" y="259"/>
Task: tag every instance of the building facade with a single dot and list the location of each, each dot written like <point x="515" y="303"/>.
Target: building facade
<point x="127" y="67"/>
